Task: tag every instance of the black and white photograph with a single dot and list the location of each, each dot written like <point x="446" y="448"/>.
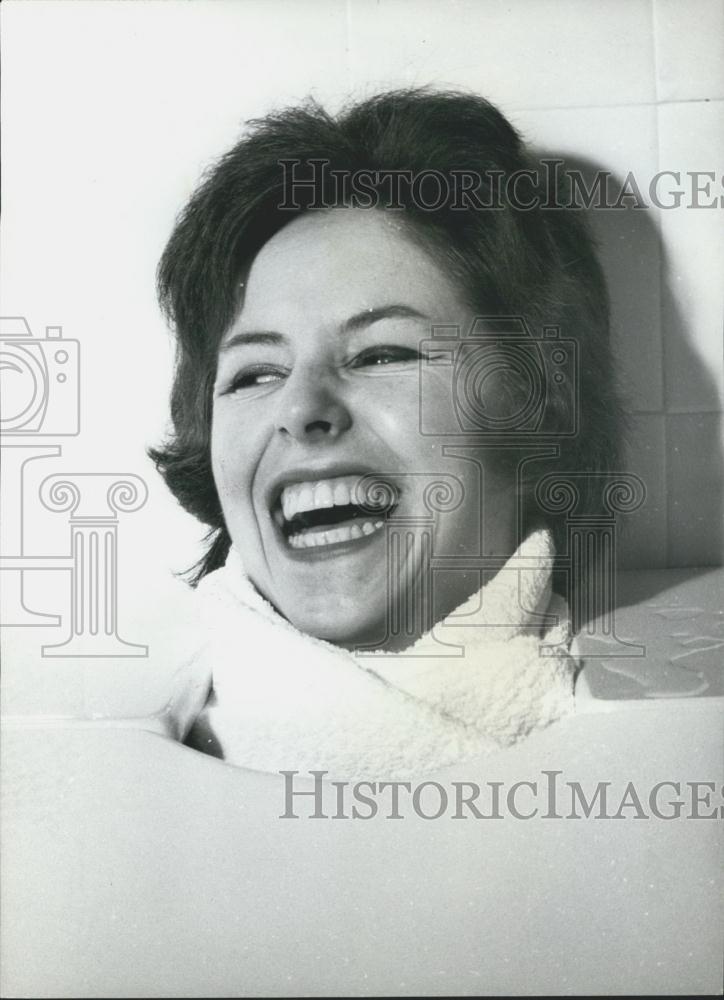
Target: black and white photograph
<point x="362" y="551"/>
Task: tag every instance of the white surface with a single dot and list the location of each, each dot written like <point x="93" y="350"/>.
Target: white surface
<point x="689" y="49"/>
<point x="136" y="867"/>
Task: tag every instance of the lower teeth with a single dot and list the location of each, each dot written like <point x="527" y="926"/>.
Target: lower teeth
<point x="312" y="539"/>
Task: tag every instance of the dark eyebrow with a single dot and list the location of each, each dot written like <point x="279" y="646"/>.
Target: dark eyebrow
<point x="356" y="322"/>
<point x="252" y="337"/>
<point x="370" y="316"/>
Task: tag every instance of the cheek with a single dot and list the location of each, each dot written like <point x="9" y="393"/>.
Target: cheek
<point x="392" y="408"/>
<point x="438" y="413"/>
<point x="231" y="458"/>
<point x="426" y="418"/>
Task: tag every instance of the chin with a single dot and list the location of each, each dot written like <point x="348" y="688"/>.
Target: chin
<point x="339" y="630"/>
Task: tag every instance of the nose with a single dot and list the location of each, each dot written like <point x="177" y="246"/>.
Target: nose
<point x="311" y="407"/>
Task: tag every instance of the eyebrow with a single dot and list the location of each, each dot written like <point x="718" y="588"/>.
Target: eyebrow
<point x="357" y="322"/>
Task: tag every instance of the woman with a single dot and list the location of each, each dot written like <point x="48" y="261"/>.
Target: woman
<point x="388" y="332"/>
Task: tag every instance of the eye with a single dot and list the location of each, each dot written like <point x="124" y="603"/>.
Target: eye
<point x="256" y="377"/>
<point x="385" y="355"/>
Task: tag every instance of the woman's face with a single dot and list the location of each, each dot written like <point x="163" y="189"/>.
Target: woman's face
<point x="319" y="385"/>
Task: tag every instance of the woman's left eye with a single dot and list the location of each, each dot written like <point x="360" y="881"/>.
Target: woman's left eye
<point x="381" y="356"/>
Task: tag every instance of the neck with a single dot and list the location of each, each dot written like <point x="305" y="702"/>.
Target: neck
<point x="424" y="603"/>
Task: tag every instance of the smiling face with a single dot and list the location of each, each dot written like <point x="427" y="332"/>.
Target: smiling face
<point x="318" y="387"/>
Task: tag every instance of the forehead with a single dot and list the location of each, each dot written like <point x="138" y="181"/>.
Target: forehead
<point x="327" y="266"/>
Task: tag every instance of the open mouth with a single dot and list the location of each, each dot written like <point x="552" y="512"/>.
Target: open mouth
<point x="333" y="511"/>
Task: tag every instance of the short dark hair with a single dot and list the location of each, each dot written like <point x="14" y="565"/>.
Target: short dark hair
<point x="538" y="263"/>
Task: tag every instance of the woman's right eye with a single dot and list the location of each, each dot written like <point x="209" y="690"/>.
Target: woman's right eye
<point x="254" y="378"/>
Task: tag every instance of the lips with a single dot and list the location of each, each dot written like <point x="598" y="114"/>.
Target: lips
<point x="334" y="510"/>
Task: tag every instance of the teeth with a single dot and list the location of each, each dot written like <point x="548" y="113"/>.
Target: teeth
<point x="289" y="504"/>
<point x="346" y="533"/>
<point x="341" y="495"/>
<point x="323" y="495"/>
<point x="306" y="499"/>
<point x="300" y="497"/>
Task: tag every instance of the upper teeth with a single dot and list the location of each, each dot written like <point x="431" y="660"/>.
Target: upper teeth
<point x="300" y="497"/>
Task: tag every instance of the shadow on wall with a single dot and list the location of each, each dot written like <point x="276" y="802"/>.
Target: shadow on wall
<point x="676" y="451"/>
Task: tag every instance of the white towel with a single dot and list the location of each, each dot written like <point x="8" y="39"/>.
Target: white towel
<point x="283" y="700"/>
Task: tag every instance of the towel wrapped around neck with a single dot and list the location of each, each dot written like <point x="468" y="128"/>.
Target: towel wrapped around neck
<point x="483" y="678"/>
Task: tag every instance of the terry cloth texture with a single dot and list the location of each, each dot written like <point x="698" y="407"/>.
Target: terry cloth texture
<point x="485" y="677"/>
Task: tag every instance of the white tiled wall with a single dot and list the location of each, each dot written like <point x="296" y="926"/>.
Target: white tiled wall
<point x="624" y="85"/>
<point x="112" y="109"/>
